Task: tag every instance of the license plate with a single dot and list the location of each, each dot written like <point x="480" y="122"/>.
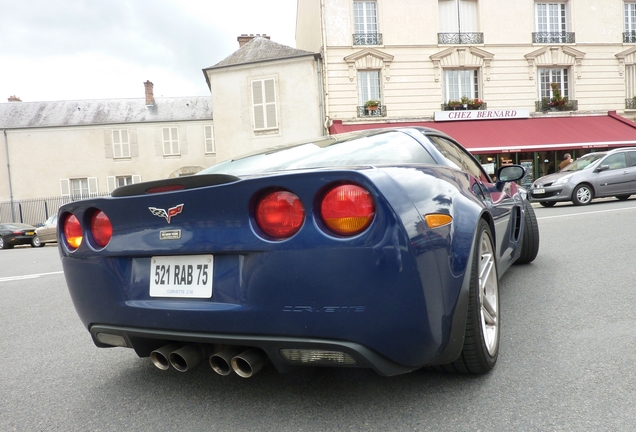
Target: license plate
<point x="184" y="276"/>
<point x="538" y="191"/>
<point x="30" y="232"/>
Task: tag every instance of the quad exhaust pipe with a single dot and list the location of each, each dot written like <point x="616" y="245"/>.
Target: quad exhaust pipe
<point x="245" y="363"/>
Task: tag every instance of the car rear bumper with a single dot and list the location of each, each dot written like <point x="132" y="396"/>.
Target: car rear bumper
<point x="146" y="340"/>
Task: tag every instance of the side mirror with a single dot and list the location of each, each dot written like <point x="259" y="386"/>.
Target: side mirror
<point x="601" y="168"/>
<point x="510" y="173"/>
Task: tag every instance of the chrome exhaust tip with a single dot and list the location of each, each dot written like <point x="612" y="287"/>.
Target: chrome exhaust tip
<point x="221" y="362"/>
<point x="160" y="356"/>
<point x="187" y="357"/>
<point x="247" y="363"/>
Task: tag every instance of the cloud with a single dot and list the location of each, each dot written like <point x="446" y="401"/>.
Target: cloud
<point x="83" y="49"/>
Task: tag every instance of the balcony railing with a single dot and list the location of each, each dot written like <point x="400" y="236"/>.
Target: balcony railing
<point x="367" y="39"/>
<point x="460" y="38"/>
<point x="630" y="103"/>
<point x="545" y="105"/>
<point x="366" y="112"/>
<point x="464" y="107"/>
<point x="553" y="37"/>
<point x="629" y="37"/>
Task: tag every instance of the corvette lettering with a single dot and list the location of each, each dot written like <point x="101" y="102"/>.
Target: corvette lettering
<point x="327" y="309"/>
<point x="173" y="211"/>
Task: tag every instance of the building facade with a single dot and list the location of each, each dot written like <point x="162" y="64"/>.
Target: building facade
<point x="416" y="60"/>
<point x="270" y="95"/>
<point x="82" y="148"/>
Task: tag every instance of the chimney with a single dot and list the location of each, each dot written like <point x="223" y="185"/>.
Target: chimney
<point x="244" y="38"/>
<point x="14" y="99"/>
<point x="150" y="97"/>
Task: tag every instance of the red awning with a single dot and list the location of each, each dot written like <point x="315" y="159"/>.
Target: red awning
<point x="526" y="135"/>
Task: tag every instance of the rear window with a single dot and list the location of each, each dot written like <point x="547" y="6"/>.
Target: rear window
<point x="382" y="148"/>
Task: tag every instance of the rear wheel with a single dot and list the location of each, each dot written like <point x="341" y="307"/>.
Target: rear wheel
<point x="35" y="242"/>
<point x="622" y="197"/>
<point x="530" y="240"/>
<point x="547" y="203"/>
<point x="481" y="340"/>
<point x="582" y="195"/>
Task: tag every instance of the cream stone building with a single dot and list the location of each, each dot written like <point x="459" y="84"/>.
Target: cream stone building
<point x="77" y="149"/>
<point x="529" y="61"/>
<point x="268" y="95"/>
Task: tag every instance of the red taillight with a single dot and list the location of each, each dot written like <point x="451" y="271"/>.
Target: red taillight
<point x="347" y="209"/>
<point x="72" y="232"/>
<point x="280" y="214"/>
<point x="101" y="229"/>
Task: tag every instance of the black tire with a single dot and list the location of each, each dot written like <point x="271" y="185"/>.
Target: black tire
<point x="481" y="340"/>
<point x="530" y="240"/>
<point x="547" y="203"/>
<point x="583" y="195"/>
<point x="622" y="197"/>
<point x="4" y="244"/>
<point x="35" y="242"/>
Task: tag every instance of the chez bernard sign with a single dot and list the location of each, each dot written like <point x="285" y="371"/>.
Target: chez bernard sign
<point x="481" y="114"/>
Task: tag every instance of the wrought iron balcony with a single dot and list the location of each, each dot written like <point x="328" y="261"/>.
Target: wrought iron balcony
<point x="464" y="106"/>
<point x="366" y="112"/>
<point x="545" y="105"/>
<point x="630" y="103"/>
<point x="367" y="39"/>
<point x="629" y="37"/>
<point x="553" y="37"/>
<point x="460" y="38"/>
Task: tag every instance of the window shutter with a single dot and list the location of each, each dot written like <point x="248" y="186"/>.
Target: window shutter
<point x="125" y="144"/>
<point x="65" y="187"/>
<point x="111" y="184"/>
<point x="136" y="179"/>
<point x="92" y="185"/>
<point x="270" y="103"/>
<point x="209" y="139"/>
<point x="259" y="109"/>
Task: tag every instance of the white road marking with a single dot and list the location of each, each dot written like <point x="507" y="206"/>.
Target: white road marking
<point x="586" y="213"/>
<point x="31" y="276"/>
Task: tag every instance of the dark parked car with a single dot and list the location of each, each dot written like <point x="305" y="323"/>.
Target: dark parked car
<point x="12" y="234"/>
<point x="47" y="233"/>
<point x="594" y="175"/>
<point x="379" y="249"/>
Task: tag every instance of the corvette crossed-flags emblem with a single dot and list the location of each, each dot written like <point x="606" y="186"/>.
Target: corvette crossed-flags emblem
<point x="173" y="211"/>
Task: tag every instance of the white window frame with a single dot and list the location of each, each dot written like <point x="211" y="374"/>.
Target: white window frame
<point x="170" y="136"/>
<point x="264" y="106"/>
<point x="630" y="80"/>
<point x="121" y="143"/>
<point x="208" y="136"/>
<point x="461" y="82"/>
<point x="551" y="17"/>
<point x="458" y="16"/>
<point x="630" y="17"/>
<point x="365" y="17"/>
<point x="369" y="86"/>
<point x="79" y="188"/>
<point x="113" y="182"/>
<point x="558" y="75"/>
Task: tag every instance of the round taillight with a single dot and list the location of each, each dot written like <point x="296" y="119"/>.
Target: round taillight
<point x="72" y="232"/>
<point x="280" y="214"/>
<point x="101" y="229"/>
<point x="347" y="209"/>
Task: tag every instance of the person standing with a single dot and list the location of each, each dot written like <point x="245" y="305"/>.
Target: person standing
<point x="567" y="160"/>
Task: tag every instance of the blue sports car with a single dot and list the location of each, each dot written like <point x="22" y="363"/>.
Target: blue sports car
<point x="379" y="249"/>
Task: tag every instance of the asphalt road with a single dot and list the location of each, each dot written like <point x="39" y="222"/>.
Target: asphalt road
<point x="566" y="363"/>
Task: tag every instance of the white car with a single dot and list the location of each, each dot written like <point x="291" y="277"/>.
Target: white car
<point x="47" y="233"/>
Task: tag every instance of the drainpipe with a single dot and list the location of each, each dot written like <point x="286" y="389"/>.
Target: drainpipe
<point x="6" y="147"/>
<point x="325" y="60"/>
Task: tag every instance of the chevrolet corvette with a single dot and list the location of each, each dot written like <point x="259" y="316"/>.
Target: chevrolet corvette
<point x="380" y="249"/>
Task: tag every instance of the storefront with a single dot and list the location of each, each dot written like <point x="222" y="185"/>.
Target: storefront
<point x="503" y="137"/>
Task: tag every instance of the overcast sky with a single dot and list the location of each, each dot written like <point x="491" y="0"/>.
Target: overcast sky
<point x="99" y="49"/>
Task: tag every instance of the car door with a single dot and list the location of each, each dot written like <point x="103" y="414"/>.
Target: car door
<point x="613" y="176"/>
